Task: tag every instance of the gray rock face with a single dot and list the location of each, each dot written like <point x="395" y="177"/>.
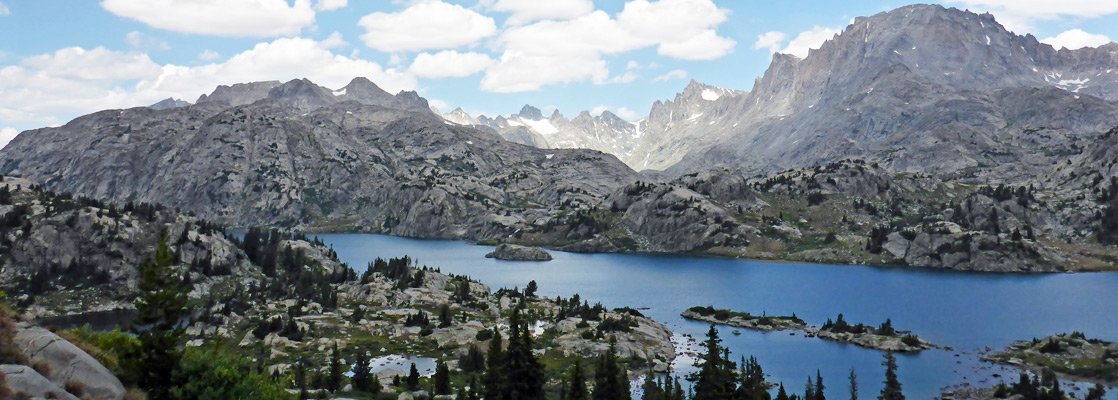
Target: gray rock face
<point x="239" y="94"/>
<point x="169" y="103"/>
<point x="273" y="162"/>
<point x="512" y="252"/>
<point x="68" y="363"/>
<point x="23" y="379"/>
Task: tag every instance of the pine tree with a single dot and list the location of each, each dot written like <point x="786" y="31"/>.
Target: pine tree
<point x="494" y="378"/>
<point x="853" y="385"/>
<point x="442" y="379"/>
<point x="892" y="390"/>
<point x="413" y="378"/>
<point x="715" y="380"/>
<point x="809" y="389"/>
<point x="362" y="374"/>
<point x="819" y="386"/>
<point x="161" y="304"/>
<point x="1096" y="393"/>
<point x="652" y="390"/>
<point x="334" y="381"/>
<point x="781" y="394"/>
<point x="525" y="373"/>
<point x="577" y="389"/>
<point x="610" y="380"/>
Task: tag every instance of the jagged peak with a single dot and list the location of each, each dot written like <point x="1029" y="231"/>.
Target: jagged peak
<point x="529" y="112"/>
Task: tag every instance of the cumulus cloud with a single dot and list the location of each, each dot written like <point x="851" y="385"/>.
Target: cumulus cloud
<point x="4" y="10"/>
<point x="676" y="74"/>
<point x="525" y="11"/>
<point x="330" y="5"/>
<point x="1019" y="15"/>
<point x="228" y="18"/>
<point x="1076" y="39"/>
<point x="51" y="88"/>
<point x="622" y="112"/>
<point x="432" y="25"/>
<point x="808" y="40"/>
<point x="6" y="134"/>
<point x="208" y="55"/>
<point x="771" y="40"/>
<point x="334" y="40"/>
<point x="704" y="46"/>
<point x="140" y="41"/>
<point x="556" y="52"/>
<point x="449" y="64"/>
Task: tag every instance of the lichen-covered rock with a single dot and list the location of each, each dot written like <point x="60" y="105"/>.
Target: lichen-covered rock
<point x="21" y="379"/>
<point x="512" y="252"/>
<point x="68" y="363"/>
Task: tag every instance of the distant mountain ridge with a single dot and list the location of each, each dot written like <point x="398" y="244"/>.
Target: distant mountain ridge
<point x="921" y="88"/>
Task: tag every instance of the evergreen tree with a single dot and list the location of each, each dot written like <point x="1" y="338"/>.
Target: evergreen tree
<point x="413" y="378"/>
<point x="530" y="290"/>
<point x="445" y="319"/>
<point x="715" y="380"/>
<point x="781" y="394"/>
<point x="160" y="306"/>
<point x="652" y="389"/>
<point x="525" y="373"/>
<point x="494" y="378"/>
<point x="892" y="390"/>
<point x="334" y="381"/>
<point x="853" y="385"/>
<point x="442" y="379"/>
<point x="577" y="389"/>
<point x="362" y="375"/>
<point x="610" y="380"/>
<point x="819" y="386"/>
<point x="809" y="389"/>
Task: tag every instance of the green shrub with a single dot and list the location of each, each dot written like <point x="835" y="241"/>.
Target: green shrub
<point x="208" y="375"/>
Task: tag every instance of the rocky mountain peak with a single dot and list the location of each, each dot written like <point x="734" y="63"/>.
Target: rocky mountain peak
<point x="239" y="94"/>
<point x="302" y="94"/>
<point x="532" y="113"/>
<point x="169" y="103"/>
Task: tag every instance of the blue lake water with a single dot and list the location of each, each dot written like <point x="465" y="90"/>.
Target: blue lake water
<point x="967" y="311"/>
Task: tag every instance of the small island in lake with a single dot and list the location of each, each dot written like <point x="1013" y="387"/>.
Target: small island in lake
<point x="882" y="337"/>
<point x="512" y="252"/>
<point x="1072" y="355"/>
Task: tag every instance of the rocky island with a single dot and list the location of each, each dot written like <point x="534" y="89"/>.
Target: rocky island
<point x="512" y="252"/>
<point x="883" y="337"/>
<point x="1073" y="356"/>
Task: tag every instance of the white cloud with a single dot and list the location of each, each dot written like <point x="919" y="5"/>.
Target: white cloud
<point x="4" y="10"/>
<point x="704" y="46"/>
<point x="556" y="52"/>
<point x="622" y="112"/>
<point x="676" y="74"/>
<point x="1076" y="39"/>
<point x="208" y="55"/>
<point x="1019" y="15"/>
<point x="6" y="134"/>
<point x="52" y="88"/>
<point x="330" y="5"/>
<point x="228" y="18"/>
<point x="636" y="65"/>
<point x="808" y="40"/>
<point x="625" y="78"/>
<point x="438" y="104"/>
<point x="430" y="25"/>
<point x="525" y="11"/>
<point x="771" y="40"/>
<point x="140" y="41"/>
<point x="449" y="64"/>
<point x="334" y="40"/>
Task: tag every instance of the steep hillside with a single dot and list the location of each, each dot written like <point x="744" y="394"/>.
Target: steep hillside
<point x="307" y="157"/>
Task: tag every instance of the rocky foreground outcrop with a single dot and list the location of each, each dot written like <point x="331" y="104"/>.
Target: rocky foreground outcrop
<point x="53" y="367"/>
<point x="512" y="252"/>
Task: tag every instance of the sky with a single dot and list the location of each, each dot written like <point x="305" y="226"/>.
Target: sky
<point x="60" y="59"/>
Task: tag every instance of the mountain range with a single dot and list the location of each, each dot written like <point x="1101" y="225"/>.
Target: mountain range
<point x="922" y="136"/>
<point x="921" y="88"/>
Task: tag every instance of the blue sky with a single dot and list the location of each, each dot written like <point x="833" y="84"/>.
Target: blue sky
<point x="63" y="58"/>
